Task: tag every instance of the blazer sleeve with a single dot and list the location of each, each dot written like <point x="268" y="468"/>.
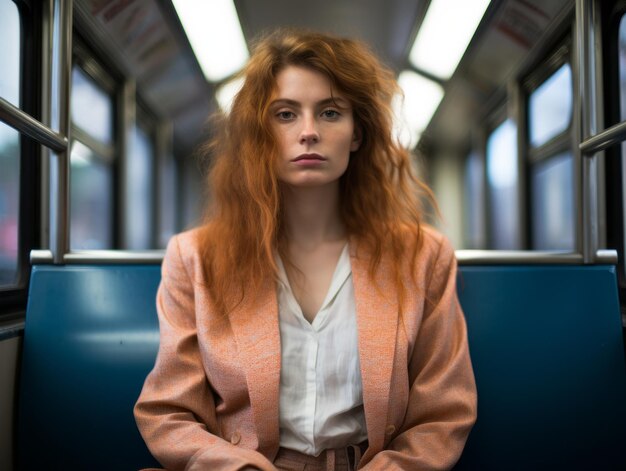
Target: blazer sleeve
<point x="175" y="412"/>
<point x="442" y="397"/>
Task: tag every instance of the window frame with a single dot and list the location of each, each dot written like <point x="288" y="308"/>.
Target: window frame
<point x="13" y="298"/>
<point x="479" y="239"/>
<point x="147" y="121"/>
<point x="612" y="14"/>
<point x="106" y="77"/>
<point x="565" y="139"/>
<point x="561" y="53"/>
<point x="165" y="156"/>
<point x="498" y="116"/>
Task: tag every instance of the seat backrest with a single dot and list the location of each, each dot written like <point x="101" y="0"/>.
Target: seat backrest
<point x="546" y="345"/>
<point x="547" y="349"/>
<point x="90" y="339"/>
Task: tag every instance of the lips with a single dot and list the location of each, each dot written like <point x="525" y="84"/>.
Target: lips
<point x="309" y="158"/>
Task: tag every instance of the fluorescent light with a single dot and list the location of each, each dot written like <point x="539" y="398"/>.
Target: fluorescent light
<point x="421" y="99"/>
<point x="225" y="94"/>
<point x="444" y="35"/>
<point x="215" y="35"/>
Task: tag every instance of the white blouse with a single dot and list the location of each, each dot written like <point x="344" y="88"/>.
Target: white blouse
<point x="321" y="392"/>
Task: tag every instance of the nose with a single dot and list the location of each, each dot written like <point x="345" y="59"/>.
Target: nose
<point x="309" y="133"/>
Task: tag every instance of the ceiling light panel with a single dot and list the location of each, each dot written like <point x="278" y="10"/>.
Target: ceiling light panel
<point x="215" y="35"/>
<point x="444" y="35"/>
<point x="421" y="99"/>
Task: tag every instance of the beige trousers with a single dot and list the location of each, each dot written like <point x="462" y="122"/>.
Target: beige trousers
<point x="338" y="459"/>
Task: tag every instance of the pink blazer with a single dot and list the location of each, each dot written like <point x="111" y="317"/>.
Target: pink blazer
<point x="211" y="401"/>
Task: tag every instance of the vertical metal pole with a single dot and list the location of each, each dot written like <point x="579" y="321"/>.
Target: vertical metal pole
<point x="598" y="86"/>
<point x="59" y="167"/>
<point x="588" y="126"/>
<point x="517" y="111"/>
<point x="47" y="45"/>
<point x="163" y="152"/>
<point x="126" y="131"/>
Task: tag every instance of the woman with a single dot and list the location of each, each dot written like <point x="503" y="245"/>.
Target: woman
<point x="312" y="322"/>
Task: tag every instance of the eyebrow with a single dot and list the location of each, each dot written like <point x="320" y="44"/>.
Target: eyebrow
<point x="337" y="101"/>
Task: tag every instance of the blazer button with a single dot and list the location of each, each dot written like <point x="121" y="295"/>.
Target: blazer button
<point x="390" y="429"/>
<point x="235" y="438"/>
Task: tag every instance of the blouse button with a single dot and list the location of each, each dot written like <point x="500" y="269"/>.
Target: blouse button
<point x="390" y="429"/>
<point x="235" y="438"/>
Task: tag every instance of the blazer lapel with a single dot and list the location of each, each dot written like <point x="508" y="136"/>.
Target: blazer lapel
<point x="256" y="331"/>
<point x="377" y="324"/>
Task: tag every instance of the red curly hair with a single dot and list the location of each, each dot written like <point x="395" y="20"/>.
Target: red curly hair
<point x="379" y="195"/>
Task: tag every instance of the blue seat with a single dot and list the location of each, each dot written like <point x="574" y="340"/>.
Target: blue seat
<point x="547" y="349"/>
<point x="546" y="344"/>
<point x="90" y="339"/>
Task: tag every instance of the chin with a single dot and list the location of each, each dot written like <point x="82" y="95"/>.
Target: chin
<point x="309" y="182"/>
<point x="311" y="179"/>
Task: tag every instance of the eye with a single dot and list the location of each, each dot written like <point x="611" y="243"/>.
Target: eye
<point x="330" y="114"/>
<point x="285" y="115"/>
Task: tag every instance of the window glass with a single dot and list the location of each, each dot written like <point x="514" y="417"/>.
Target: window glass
<point x="622" y="66"/>
<point x="55" y="59"/>
<point x="550" y="107"/>
<point x="139" y="225"/>
<point x="191" y="187"/>
<point x="10" y="52"/>
<point x="91" y="200"/>
<point x="553" y="203"/>
<point x="167" y="211"/>
<point x="502" y="179"/>
<point x="9" y="202"/>
<point x="474" y="197"/>
<point x="92" y="107"/>
<point x="622" y="82"/>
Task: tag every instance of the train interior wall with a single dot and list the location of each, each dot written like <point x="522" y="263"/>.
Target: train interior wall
<point x="9" y="352"/>
<point x="446" y="180"/>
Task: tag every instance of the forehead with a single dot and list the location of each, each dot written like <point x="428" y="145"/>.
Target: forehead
<point x="301" y="83"/>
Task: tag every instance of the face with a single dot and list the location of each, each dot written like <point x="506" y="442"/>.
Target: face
<point x="314" y="127"/>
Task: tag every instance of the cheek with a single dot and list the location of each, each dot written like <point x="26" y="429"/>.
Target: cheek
<point x="281" y="141"/>
<point x="287" y="136"/>
<point x="345" y="142"/>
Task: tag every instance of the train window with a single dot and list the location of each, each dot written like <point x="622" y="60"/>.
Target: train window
<point x="9" y="203"/>
<point x="91" y="164"/>
<point x="474" y="197"/>
<point x="10" y="52"/>
<point x="622" y="68"/>
<point x="551" y="166"/>
<point x="550" y="107"/>
<point x="553" y="203"/>
<point x="621" y="173"/>
<point x="167" y="200"/>
<point x="91" y="202"/>
<point x="503" y="189"/>
<point x="139" y="191"/>
<point x="92" y="107"/>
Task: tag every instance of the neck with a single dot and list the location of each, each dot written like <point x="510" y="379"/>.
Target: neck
<point x="312" y="215"/>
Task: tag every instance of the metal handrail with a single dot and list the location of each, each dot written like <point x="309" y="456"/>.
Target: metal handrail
<point x="113" y="257"/>
<point x="604" y="139"/>
<point x="26" y="124"/>
<point x="530" y="257"/>
<point x="464" y="257"/>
